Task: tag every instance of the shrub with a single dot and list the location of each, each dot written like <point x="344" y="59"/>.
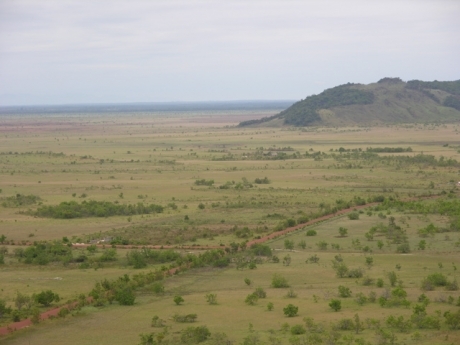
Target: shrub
<point x="298" y="329"/>
<point x="184" y="318"/>
<point x="158" y="288"/>
<point x="353" y="216"/>
<point x="290" y="310"/>
<point x="335" y="304"/>
<point x="260" y="292"/>
<point x="433" y="280"/>
<point x="125" y="296"/>
<point x="46" y="298"/>
<point x="157" y="322"/>
<point x="314" y="259"/>
<point x="288" y="244"/>
<point x="311" y="232"/>
<point x="322" y="245"/>
<point x="345" y="325"/>
<point x="270" y="306"/>
<point x="211" y="298"/>
<point x="251" y="299"/>
<point x="278" y="281"/>
<point x="195" y="334"/>
<point x="291" y="294"/>
<point x="344" y="291"/>
<point x="178" y="300"/>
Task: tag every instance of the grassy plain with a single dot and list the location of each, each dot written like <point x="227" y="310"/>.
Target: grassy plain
<point x="158" y="159"/>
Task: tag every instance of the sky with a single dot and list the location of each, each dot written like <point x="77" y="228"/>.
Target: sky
<point x="98" y="51"/>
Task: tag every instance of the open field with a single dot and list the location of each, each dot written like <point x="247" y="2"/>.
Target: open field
<point x="219" y="185"/>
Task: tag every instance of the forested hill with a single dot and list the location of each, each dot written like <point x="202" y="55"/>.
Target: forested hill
<point x="390" y="100"/>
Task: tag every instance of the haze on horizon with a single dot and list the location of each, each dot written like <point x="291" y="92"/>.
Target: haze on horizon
<point x="71" y="52"/>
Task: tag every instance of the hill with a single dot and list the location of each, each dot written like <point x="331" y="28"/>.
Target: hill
<point x="390" y="100"/>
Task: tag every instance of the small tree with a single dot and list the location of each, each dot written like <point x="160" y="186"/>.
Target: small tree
<point x="46" y="298"/>
<point x="251" y="299"/>
<point x="247" y="281"/>
<point x="343" y="231"/>
<point x="288" y="244"/>
<point x="392" y="277"/>
<point x="211" y="298"/>
<point x="287" y="260"/>
<point x="302" y="244"/>
<point x="290" y="310"/>
<point x="3" y="308"/>
<point x="178" y="300"/>
<point x="344" y="291"/>
<point x="270" y="306"/>
<point x="278" y="281"/>
<point x="335" y="304"/>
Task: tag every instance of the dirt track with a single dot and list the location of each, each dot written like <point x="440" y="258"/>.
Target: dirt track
<point x="54" y="312"/>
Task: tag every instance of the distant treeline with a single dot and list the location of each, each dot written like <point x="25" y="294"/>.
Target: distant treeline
<point x="48" y="153"/>
<point x="304" y="113"/>
<point x="73" y="209"/>
<point x="389" y="149"/>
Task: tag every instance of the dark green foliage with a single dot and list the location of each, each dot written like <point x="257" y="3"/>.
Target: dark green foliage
<point x="20" y="200"/>
<point x="452" y="87"/>
<point x="109" y="254"/>
<point x="422" y="320"/>
<point x="45" y="252"/>
<point x="140" y="258"/>
<point x="335" y="304"/>
<point x="278" y="281"/>
<point x="344" y="291"/>
<point x="178" y="300"/>
<point x="453" y="102"/>
<point x="260" y="292"/>
<point x="204" y="182"/>
<point x="304" y="113"/>
<point x="193" y="335"/>
<point x="434" y="280"/>
<point x="4" y="310"/>
<point x="264" y="180"/>
<point x="290" y="310"/>
<point x="298" y="329"/>
<point x="125" y="296"/>
<point x="261" y="249"/>
<point x="92" y="208"/>
<point x="353" y="216"/>
<point x="345" y="325"/>
<point x="452" y="319"/>
<point x="399" y="323"/>
<point x="211" y="298"/>
<point x="311" y="232"/>
<point x="158" y="288"/>
<point x="288" y="244"/>
<point x="47" y="297"/>
<point x="157" y="322"/>
<point x="251" y="299"/>
<point x="388" y="150"/>
<point x="185" y="318"/>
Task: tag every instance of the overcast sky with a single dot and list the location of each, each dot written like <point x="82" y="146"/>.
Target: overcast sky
<point x="61" y="52"/>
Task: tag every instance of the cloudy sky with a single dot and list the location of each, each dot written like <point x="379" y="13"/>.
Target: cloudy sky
<point x="82" y="51"/>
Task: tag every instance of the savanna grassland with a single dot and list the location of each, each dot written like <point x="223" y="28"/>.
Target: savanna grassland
<point x="205" y="189"/>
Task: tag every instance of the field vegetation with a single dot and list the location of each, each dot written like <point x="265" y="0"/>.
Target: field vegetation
<point x="168" y="229"/>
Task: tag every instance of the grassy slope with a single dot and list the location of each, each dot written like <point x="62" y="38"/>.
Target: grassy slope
<point x="393" y="103"/>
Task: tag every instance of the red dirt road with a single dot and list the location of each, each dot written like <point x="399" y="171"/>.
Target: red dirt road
<point x="54" y="312"/>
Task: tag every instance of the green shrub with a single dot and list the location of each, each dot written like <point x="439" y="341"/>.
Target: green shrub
<point x="311" y="232"/>
<point x="290" y="310"/>
<point x="298" y="329"/>
<point x="278" y="281"/>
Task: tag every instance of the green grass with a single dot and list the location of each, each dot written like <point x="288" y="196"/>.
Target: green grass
<point x="161" y="175"/>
